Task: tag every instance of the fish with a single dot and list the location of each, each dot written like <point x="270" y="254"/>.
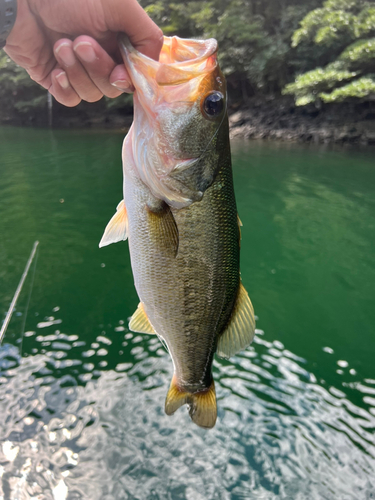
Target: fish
<point x="180" y="217"/>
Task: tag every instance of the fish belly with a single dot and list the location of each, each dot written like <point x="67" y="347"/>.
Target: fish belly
<point x="187" y="286"/>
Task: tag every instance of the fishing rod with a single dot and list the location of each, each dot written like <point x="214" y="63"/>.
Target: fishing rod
<point x="9" y="314"/>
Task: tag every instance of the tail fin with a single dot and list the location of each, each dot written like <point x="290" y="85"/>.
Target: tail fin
<point x="202" y="405"/>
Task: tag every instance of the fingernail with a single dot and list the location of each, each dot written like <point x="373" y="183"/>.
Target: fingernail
<point x="85" y="52"/>
<point x="66" y="54"/>
<point x="63" y="80"/>
<point x="123" y="85"/>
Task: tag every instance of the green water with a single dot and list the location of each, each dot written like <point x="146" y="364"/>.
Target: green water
<point x="81" y="413"/>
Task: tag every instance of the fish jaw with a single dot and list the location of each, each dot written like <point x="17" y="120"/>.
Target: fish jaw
<point x="171" y="132"/>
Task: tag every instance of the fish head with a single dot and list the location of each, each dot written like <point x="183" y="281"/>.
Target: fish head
<point x="179" y="108"/>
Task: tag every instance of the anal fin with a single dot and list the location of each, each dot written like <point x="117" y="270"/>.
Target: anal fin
<point x="202" y="405"/>
<point x="140" y="323"/>
<point x="117" y="228"/>
<point x="240" y="329"/>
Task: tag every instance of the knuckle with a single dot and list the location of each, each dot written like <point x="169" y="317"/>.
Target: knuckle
<point x="159" y="35"/>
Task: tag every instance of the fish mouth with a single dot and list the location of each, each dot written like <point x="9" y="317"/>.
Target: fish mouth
<point x="180" y="60"/>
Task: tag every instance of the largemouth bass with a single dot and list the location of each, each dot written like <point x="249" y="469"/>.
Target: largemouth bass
<point x="180" y="217"/>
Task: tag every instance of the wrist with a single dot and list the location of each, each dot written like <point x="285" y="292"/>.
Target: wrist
<point x="8" y="13"/>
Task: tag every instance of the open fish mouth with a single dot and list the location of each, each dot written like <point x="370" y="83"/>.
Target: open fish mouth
<point x="179" y="61"/>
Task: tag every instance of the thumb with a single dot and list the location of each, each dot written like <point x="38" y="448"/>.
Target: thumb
<point x="128" y="16"/>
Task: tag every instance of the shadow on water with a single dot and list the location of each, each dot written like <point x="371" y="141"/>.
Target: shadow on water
<point x="82" y="411"/>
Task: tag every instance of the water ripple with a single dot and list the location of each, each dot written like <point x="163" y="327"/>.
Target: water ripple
<point x="73" y="430"/>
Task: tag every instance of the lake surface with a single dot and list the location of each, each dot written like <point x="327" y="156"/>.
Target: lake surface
<point x="82" y="398"/>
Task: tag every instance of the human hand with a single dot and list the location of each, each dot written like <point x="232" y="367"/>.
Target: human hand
<point x="86" y="72"/>
<point x="85" y="68"/>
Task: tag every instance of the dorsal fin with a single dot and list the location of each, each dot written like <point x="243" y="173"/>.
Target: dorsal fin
<point x="117" y="228"/>
<point x="140" y="323"/>
<point x="241" y="327"/>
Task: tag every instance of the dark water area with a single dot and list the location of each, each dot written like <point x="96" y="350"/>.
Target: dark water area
<point x="82" y="397"/>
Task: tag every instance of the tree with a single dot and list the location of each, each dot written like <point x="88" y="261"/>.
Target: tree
<point x="253" y="35"/>
<point x="254" y="50"/>
<point x="344" y="29"/>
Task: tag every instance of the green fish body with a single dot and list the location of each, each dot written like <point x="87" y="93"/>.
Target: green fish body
<point x="182" y="223"/>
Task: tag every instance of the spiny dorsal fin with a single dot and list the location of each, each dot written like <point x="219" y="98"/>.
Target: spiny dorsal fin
<point x="202" y="405"/>
<point x="140" y="323"/>
<point x="241" y="327"/>
<point x="117" y="227"/>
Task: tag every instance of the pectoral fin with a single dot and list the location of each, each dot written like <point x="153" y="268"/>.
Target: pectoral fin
<point x="117" y="227"/>
<point x="139" y="322"/>
<point x="202" y="405"/>
<point x="163" y="228"/>
<point x="241" y="328"/>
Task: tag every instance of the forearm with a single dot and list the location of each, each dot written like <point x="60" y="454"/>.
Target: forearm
<point x="8" y="13"/>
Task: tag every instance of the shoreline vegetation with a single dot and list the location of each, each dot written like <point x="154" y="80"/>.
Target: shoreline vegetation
<point x="280" y="119"/>
<point x="269" y="117"/>
<point x="297" y="70"/>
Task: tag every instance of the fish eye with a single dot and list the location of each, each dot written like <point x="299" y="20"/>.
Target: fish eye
<point x="213" y="104"/>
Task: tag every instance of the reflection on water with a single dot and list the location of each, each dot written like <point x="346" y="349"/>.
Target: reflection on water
<point x="82" y="411"/>
<point x="72" y="429"/>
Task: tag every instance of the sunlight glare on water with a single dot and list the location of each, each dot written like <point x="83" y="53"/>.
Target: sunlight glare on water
<point x="104" y="434"/>
<point x="82" y="410"/>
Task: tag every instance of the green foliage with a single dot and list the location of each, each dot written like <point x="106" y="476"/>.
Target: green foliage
<point x="340" y="27"/>
<point x="173" y="17"/>
<point x="253" y="35"/>
<point x="366" y="23"/>
<point x="359" y="54"/>
<point x="17" y="90"/>
<point x="324" y="26"/>
<point x="124" y="101"/>
<point x="361" y="88"/>
<point x="319" y="79"/>
<point x="337" y="20"/>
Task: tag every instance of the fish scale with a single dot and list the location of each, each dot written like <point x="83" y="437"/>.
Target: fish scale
<point x="206" y="266"/>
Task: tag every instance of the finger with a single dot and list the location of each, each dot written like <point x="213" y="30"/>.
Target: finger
<point x="99" y="66"/>
<point x="61" y="89"/>
<point x="76" y="73"/>
<point x="129" y="17"/>
<point x="28" y="47"/>
<point x="119" y="78"/>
